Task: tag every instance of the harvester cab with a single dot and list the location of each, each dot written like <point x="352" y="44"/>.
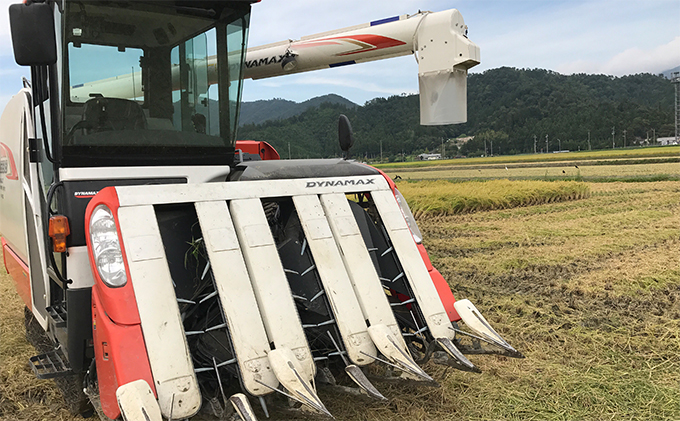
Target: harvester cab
<point x="171" y="278"/>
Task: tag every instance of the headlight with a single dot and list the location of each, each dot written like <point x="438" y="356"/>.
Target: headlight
<point x="410" y="220"/>
<point x="108" y="257"/>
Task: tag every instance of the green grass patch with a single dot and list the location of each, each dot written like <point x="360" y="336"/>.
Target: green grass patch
<point x="446" y="198"/>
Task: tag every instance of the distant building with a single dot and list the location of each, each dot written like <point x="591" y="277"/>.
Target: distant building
<point x="429" y="156"/>
<point x="665" y="141"/>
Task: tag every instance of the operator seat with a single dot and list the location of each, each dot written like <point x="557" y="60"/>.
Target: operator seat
<point x="107" y="114"/>
<point x="104" y="114"/>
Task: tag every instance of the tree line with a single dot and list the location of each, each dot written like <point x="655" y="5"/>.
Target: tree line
<point x="511" y="110"/>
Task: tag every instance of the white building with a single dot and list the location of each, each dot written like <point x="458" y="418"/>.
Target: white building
<point x="429" y="156"/>
<point x="665" y="141"/>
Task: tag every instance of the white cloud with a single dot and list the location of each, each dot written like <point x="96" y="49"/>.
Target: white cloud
<point x="631" y="61"/>
<point x="636" y="60"/>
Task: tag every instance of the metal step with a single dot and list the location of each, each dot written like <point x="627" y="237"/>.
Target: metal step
<point x="50" y="365"/>
<point x="58" y="315"/>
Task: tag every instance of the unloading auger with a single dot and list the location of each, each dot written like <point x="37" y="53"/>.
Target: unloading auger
<point x="175" y="270"/>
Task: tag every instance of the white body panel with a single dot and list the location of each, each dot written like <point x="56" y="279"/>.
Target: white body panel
<point x="182" y="193"/>
<point x="193" y="174"/>
<point x="20" y="198"/>
<point x="336" y="283"/>
<point x="269" y="281"/>
<point x="12" y="213"/>
<point x="413" y="265"/>
<point x="239" y="305"/>
<point x="169" y="358"/>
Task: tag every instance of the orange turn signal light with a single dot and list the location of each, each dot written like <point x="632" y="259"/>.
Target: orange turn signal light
<point x="58" y="231"/>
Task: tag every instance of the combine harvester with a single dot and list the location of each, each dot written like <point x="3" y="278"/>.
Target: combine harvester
<point x="170" y="273"/>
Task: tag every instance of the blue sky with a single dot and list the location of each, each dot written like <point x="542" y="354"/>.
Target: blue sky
<point x="615" y="37"/>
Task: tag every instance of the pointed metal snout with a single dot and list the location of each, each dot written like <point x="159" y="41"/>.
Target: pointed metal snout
<point x="287" y="370"/>
<point x="356" y="374"/>
<point x="388" y="346"/>
<point x="242" y="407"/>
<point x="360" y="379"/>
<point x="458" y="356"/>
<point x="478" y="324"/>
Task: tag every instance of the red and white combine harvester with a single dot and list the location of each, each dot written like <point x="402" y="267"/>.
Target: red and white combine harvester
<point x="167" y="275"/>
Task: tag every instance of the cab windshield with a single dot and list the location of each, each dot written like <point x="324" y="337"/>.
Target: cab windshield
<point x="152" y="83"/>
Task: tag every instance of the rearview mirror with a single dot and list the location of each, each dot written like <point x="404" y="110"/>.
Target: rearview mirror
<point x="33" y="36"/>
<point x="345" y="135"/>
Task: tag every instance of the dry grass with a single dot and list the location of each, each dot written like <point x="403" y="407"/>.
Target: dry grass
<point x="436" y="198"/>
<point x="22" y="395"/>
<point x="589" y="290"/>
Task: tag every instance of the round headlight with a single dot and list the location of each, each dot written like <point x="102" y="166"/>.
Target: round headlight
<point x="105" y="245"/>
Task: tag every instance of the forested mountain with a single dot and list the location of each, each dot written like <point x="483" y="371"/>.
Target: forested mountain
<point x="506" y="105"/>
<point x="276" y="109"/>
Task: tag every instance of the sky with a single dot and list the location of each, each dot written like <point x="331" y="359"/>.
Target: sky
<point x="613" y="37"/>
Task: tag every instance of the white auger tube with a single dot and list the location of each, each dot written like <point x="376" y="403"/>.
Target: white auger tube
<point x="438" y="40"/>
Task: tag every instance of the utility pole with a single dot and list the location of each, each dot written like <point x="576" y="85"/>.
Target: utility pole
<point x="675" y="79"/>
<point x="443" y="150"/>
<point x="381" y="151"/>
<point x="624" y="138"/>
<point x="654" y="136"/>
<point x="491" y="146"/>
<point x="534" y="143"/>
<point x="589" y="148"/>
<point x="288" y="150"/>
<point x="546" y="144"/>
<point x="559" y="145"/>
<point x="613" y="139"/>
<point x="485" y="153"/>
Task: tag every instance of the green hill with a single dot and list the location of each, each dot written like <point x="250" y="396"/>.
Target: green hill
<point x="276" y="109"/>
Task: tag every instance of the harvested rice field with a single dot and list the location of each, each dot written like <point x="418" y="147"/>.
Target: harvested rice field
<point x="564" y="171"/>
<point x="587" y="287"/>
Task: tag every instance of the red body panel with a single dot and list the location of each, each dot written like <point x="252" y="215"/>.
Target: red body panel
<point x="120" y="352"/>
<point x="254" y="147"/>
<point x="119" y="303"/>
<point x="442" y="286"/>
<point x="18" y="270"/>
<point x="120" y="355"/>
